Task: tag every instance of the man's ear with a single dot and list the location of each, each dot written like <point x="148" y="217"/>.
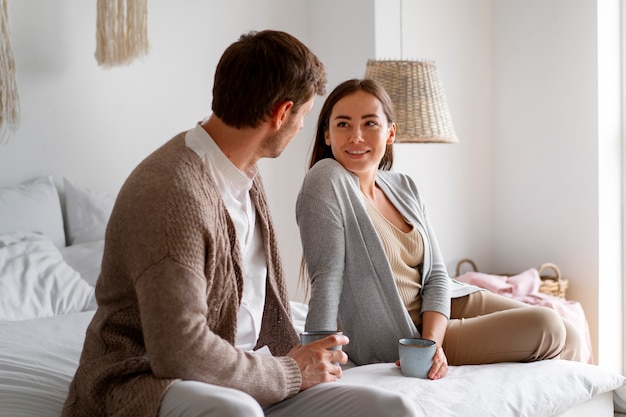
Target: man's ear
<point x="281" y="112"/>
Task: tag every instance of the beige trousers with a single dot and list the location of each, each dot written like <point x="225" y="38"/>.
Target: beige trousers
<point x="487" y="328"/>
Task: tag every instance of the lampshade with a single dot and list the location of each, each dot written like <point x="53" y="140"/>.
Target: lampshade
<point x="417" y="94"/>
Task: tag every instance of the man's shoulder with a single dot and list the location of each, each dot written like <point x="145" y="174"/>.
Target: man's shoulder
<point x="171" y="172"/>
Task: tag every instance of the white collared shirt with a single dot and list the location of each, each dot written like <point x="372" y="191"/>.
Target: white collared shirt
<point x="234" y="186"/>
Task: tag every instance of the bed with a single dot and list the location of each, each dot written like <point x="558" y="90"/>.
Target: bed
<point x="50" y="251"/>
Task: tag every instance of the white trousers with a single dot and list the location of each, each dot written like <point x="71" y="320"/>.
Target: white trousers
<point x="197" y="399"/>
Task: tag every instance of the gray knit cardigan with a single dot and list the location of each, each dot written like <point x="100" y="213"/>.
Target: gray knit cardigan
<point x="352" y="285"/>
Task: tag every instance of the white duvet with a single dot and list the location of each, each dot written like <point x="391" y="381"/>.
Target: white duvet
<point x="38" y="359"/>
<point x="35" y="280"/>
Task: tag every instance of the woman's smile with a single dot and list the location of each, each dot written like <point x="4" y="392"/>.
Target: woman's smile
<point x="359" y="132"/>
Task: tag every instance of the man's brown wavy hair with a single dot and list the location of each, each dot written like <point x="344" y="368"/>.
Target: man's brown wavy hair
<point x="260" y="71"/>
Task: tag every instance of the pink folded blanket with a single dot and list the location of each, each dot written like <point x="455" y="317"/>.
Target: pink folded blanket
<point x="519" y="285"/>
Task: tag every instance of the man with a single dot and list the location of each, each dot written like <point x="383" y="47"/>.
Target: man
<point x="193" y="317"/>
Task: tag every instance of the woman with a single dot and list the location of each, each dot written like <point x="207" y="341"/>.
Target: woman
<point x="373" y="262"/>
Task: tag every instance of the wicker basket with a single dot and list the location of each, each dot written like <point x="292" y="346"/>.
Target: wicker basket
<point x="552" y="284"/>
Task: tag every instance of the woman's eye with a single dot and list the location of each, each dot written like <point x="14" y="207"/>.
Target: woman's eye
<point x="371" y="123"/>
<point x="342" y="124"/>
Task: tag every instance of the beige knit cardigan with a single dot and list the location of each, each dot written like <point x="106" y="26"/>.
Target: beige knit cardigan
<point x="169" y="293"/>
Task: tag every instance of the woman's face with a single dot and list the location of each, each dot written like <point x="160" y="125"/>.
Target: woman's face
<point x="358" y="132"/>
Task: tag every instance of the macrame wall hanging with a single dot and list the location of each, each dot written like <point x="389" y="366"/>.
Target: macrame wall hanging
<point x="9" y="98"/>
<point x="122" y="31"/>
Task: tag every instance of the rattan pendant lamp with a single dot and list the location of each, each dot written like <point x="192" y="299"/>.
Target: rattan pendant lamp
<point x="422" y="114"/>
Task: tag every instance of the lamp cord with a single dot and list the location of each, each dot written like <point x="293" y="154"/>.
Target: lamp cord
<point x="401" y="33"/>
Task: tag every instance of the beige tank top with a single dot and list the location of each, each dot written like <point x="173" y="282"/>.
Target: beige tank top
<point x="405" y="252"/>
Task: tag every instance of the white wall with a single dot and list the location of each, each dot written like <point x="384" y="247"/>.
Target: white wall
<point x="92" y="124"/>
<point x="455" y="179"/>
<point x="610" y="347"/>
<point x="546" y="151"/>
<point x="556" y="153"/>
<point x="521" y="78"/>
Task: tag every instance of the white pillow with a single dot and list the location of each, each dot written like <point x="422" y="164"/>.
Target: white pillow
<point x="87" y="213"/>
<point x="85" y="258"/>
<point x="35" y="282"/>
<point x="33" y="206"/>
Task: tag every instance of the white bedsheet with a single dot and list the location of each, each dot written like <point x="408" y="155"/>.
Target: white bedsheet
<point x="37" y="362"/>
<point x="38" y="359"/>
<point x="539" y="389"/>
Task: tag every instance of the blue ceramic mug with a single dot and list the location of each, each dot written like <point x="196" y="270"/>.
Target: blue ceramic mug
<point x="416" y="356"/>
<point x="308" y="337"/>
